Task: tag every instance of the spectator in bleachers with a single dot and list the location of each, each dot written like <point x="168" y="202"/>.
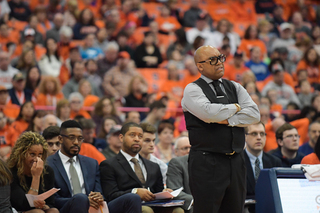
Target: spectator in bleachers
<point x="116" y="80"/>
<point x="33" y="80"/>
<point x="315" y="35"/>
<point x="201" y="29"/>
<point x="25" y="61"/>
<point x="50" y="64"/>
<point x="244" y="11"/>
<point x="43" y="23"/>
<point x="285" y="93"/>
<point x="313" y="134"/>
<point x="122" y="40"/>
<point x="107" y="6"/>
<point x="19" y="10"/>
<point x="30" y="173"/>
<point x="54" y="32"/>
<point x="234" y="71"/>
<point x="110" y="60"/>
<point x="89" y="51"/>
<point x="51" y="135"/>
<point x="299" y="25"/>
<point x="256" y="65"/>
<point x="264" y="113"/>
<point x="286" y="37"/>
<point x="173" y="85"/>
<point x="251" y="39"/>
<point x="305" y="95"/>
<point x="167" y="23"/>
<point x="85" y="25"/>
<point x="36" y="122"/>
<point x="283" y="54"/>
<point x="104" y="107"/>
<point x="92" y="68"/>
<point x="73" y="84"/>
<point x="182" y="146"/>
<point x="107" y="123"/>
<point x="265" y="34"/>
<point x="102" y="39"/>
<point x="18" y="93"/>
<point x="181" y="44"/>
<point x="133" y="116"/>
<point x="10" y="110"/>
<point x="147" y="148"/>
<point x="5" y="148"/>
<point x="192" y="71"/>
<point x="313" y="158"/>
<point x="49" y="92"/>
<point x="264" y="6"/>
<point x="6" y="70"/>
<point x="164" y="149"/>
<point x="221" y="32"/>
<point x="156" y="113"/>
<point x="66" y="71"/>
<point x="65" y="44"/>
<point x="31" y="32"/>
<point x="291" y="116"/>
<point x="8" y="35"/>
<point x="147" y="55"/>
<point x="311" y="63"/>
<point x="315" y="102"/>
<point x="85" y="90"/>
<point x="76" y="104"/>
<point x="88" y="131"/>
<point x="288" y="141"/>
<point x="49" y="120"/>
<point x="138" y="91"/>
<point x="63" y="111"/>
<point x="114" y="143"/>
<point x="190" y="16"/>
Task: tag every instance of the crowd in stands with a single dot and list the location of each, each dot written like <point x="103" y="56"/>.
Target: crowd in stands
<point x="105" y="63"/>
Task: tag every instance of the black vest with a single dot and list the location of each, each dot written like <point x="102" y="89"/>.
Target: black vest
<point x="213" y="137"/>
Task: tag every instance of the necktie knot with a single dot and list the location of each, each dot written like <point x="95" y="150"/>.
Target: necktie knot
<point x="71" y="160"/>
<point x="216" y="83"/>
<point x="134" y="160"/>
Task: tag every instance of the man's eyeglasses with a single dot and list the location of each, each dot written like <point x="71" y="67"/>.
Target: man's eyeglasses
<point x="291" y="136"/>
<point x="185" y="148"/>
<point x="214" y="60"/>
<point x="255" y="134"/>
<point x="73" y="138"/>
<point x="53" y="143"/>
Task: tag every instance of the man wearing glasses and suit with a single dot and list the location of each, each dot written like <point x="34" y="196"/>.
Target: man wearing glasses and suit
<point x="216" y="110"/>
<point x="78" y="177"/>
<point x="255" y="158"/>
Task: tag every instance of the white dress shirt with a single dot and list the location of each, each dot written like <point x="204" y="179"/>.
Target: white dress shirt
<point x="76" y="164"/>
<point x="252" y="159"/>
<point x="162" y="165"/>
<point x="129" y="157"/>
<point x="197" y="103"/>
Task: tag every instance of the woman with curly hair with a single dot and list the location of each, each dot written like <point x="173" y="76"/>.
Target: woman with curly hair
<point x="30" y="174"/>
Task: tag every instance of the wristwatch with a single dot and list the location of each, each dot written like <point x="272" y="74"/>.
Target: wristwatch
<point x="238" y="107"/>
<point x="134" y="191"/>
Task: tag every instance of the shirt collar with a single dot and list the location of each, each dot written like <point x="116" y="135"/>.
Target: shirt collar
<point x="253" y="158"/>
<point x="208" y="80"/>
<point x="129" y="157"/>
<point x="65" y="158"/>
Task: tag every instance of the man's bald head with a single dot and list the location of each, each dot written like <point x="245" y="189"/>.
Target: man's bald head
<point x="58" y="20"/>
<point x="277" y="122"/>
<point x="203" y="55"/>
<point x="49" y="120"/>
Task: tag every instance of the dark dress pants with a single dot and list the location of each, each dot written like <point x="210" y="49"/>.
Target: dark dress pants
<point x="217" y="182"/>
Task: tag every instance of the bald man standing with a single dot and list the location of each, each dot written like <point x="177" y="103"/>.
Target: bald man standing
<point x="216" y="111"/>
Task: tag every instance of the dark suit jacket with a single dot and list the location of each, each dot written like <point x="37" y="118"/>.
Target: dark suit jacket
<point x="268" y="161"/>
<point x="178" y="176"/>
<point x="118" y="178"/>
<point x="90" y="172"/>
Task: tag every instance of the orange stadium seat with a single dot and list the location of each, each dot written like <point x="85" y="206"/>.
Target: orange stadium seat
<point x="153" y="9"/>
<point x="155" y="78"/>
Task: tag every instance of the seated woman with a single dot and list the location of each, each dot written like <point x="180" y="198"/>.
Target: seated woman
<point x="164" y="150"/>
<point x="85" y="90"/>
<point x="51" y="62"/>
<point x="63" y="111"/>
<point x="49" y="92"/>
<point x="76" y="104"/>
<point x="107" y="123"/>
<point x="147" y="55"/>
<point x="36" y="123"/>
<point x="30" y="174"/>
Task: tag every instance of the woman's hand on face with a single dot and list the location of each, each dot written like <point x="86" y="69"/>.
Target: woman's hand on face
<point x="37" y="168"/>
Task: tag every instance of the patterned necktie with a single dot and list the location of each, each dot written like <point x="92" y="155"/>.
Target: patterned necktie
<point x="221" y="96"/>
<point x="138" y="170"/>
<point x="257" y="169"/>
<point x="76" y="188"/>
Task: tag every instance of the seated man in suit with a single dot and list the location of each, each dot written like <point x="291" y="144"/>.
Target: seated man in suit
<point x="178" y="176"/>
<point x="288" y="141"/>
<point x="254" y="156"/>
<point x="78" y="177"/>
<point x="129" y="173"/>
